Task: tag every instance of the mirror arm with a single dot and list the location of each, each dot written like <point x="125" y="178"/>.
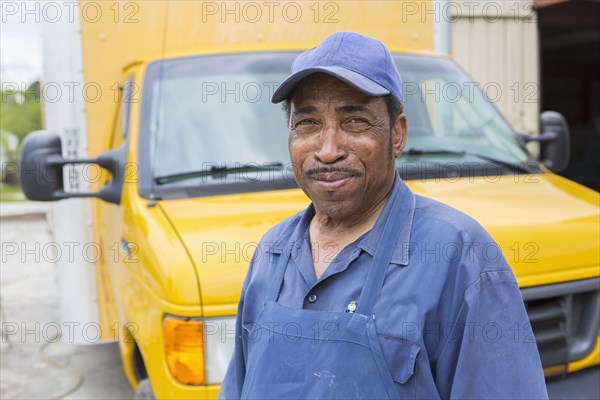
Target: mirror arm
<point x="544" y="137"/>
<point x="61" y="162"/>
<point x="105" y="161"/>
<point x="43" y="149"/>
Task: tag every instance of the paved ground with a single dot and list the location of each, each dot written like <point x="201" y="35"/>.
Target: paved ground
<point x="583" y="385"/>
<point x="34" y="366"/>
<point x="23" y="210"/>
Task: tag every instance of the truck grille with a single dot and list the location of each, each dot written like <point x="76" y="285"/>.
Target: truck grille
<point x="565" y="319"/>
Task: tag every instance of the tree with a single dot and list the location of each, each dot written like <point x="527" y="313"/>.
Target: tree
<point x="20" y="113"/>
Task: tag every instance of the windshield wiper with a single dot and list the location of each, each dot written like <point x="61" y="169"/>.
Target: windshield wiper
<point x="216" y="171"/>
<point x="418" y="152"/>
<point x="515" y="167"/>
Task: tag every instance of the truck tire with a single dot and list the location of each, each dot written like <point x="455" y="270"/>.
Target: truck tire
<point x="144" y="391"/>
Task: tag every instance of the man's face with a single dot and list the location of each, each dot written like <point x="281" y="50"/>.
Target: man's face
<point x="342" y="145"/>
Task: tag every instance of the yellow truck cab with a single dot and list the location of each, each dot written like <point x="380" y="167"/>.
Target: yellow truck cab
<point x="170" y="163"/>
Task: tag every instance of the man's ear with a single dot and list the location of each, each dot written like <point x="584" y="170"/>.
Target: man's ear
<point x="399" y="132"/>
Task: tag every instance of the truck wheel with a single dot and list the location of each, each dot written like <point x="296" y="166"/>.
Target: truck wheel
<point x="144" y="391"/>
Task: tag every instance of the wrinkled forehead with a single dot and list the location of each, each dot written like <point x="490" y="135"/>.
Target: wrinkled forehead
<point x="321" y="88"/>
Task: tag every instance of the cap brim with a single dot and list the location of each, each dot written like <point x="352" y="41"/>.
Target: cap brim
<point x="358" y="81"/>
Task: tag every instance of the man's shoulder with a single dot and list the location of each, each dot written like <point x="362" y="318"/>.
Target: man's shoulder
<point x="438" y="224"/>
<point x="432" y="213"/>
<point x="271" y="244"/>
<point x="277" y="236"/>
<point x="447" y="236"/>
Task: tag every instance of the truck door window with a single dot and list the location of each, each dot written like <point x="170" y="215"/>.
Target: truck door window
<point x="121" y="126"/>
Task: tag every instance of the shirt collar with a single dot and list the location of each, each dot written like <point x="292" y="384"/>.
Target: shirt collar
<point x="401" y="242"/>
<point x="291" y="234"/>
<point x="292" y="231"/>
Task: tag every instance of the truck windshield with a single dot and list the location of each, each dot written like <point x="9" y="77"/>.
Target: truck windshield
<point x="213" y="113"/>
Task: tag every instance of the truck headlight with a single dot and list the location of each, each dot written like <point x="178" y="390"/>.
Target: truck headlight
<point x="219" y="342"/>
<point x="198" y="350"/>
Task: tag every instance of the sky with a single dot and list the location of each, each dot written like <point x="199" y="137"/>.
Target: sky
<point x="20" y="45"/>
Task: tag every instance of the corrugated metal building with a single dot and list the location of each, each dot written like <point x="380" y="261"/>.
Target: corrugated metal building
<point x="497" y="42"/>
<point x="531" y="56"/>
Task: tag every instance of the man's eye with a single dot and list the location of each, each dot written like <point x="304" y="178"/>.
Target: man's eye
<point x="356" y="124"/>
<point x="305" y="122"/>
<point x="357" y="121"/>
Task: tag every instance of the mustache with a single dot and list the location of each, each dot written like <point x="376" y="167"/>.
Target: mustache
<point x="321" y="170"/>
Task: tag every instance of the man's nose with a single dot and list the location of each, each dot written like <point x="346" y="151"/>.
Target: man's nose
<point x="332" y="145"/>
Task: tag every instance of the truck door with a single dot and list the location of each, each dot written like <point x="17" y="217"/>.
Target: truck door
<point x="109" y="229"/>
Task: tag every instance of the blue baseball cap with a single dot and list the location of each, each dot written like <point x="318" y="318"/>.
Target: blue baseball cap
<point x="360" y="61"/>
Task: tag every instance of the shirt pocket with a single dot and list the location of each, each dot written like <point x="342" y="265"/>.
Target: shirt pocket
<point x="401" y="357"/>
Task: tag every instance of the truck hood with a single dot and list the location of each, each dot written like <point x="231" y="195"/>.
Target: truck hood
<point x="548" y="228"/>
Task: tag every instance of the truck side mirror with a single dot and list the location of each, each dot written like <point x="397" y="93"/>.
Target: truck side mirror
<point x="555" y="145"/>
<point x="42" y="169"/>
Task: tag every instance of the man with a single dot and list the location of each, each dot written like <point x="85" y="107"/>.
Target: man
<point x="344" y="299"/>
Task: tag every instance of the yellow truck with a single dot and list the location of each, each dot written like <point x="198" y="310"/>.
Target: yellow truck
<point x="170" y="163"/>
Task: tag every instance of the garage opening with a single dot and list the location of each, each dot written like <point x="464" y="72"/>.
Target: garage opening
<point x="570" y="78"/>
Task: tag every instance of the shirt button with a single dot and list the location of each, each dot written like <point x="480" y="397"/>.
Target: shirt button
<point x="312" y="298"/>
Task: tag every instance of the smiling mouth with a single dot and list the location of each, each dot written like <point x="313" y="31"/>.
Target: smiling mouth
<point x="332" y="180"/>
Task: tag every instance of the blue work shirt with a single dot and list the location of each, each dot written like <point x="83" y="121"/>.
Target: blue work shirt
<point x="448" y="293"/>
